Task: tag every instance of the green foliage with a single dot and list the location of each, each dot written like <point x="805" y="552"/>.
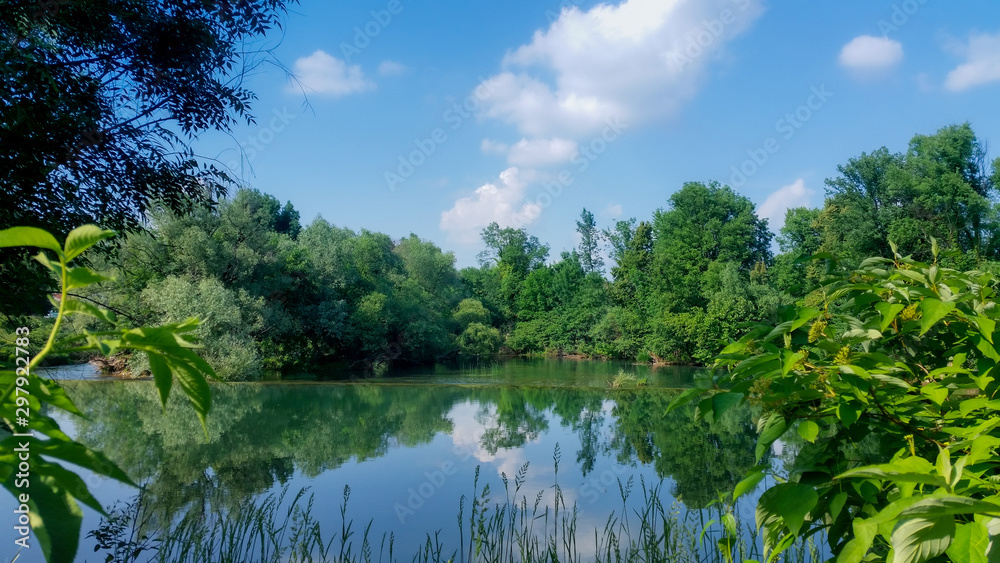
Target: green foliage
<point x="590" y="251"/>
<point x="682" y="287"/>
<point x="480" y="340"/>
<point x="901" y="352"/>
<point x="941" y="187"/>
<point x="51" y="491"/>
<point x="705" y="224"/>
<point x="73" y="153"/>
<point x="226" y="330"/>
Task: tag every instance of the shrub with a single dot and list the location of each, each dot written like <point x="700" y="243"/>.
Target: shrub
<point x="890" y="381"/>
<point x="480" y="340"/>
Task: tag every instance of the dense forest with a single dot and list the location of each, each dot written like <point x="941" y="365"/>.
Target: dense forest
<point x="277" y="295"/>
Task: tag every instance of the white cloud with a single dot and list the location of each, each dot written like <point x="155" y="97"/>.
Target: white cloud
<point x="540" y="152"/>
<point x="787" y="197"/>
<point x="868" y="54"/>
<point x="982" y="64"/>
<point x="640" y="59"/>
<point x="614" y="211"/>
<point x="391" y="68"/>
<point x="324" y="74"/>
<point x="489" y="146"/>
<point x="502" y="202"/>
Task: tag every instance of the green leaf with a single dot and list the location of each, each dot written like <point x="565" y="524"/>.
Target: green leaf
<point x="857" y="548"/>
<point x="79" y="454"/>
<point x="921" y="539"/>
<point x="162" y="377"/>
<point x="932" y="311"/>
<point x="55" y="518"/>
<point x="986" y="326"/>
<point x="847" y="413"/>
<point x="684" y="398"/>
<point x="970" y="543"/>
<point x="949" y="505"/>
<point x="790" y="361"/>
<point x="721" y="402"/>
<point x="837" y="504"/>
<point x="805" y="314"/>
<point x="29" y="236"/>
<point x="82" y="277"/>
<point x="888" y="312"/>
<point x="729" y="523"/>
<point x="81" y="238"/>
<point x="791" y="501"/>
<point x="748" y="484"/>
<point x="909" y="470"/>
<point x="890" y="380"/>
<point x="196" y="388"/>
<point x="936" y="392"/>
<point x="809" y="430"/>
<point x="772" y="429"/>
<point x="69" y="481"/>
<point x="75" y="306"/>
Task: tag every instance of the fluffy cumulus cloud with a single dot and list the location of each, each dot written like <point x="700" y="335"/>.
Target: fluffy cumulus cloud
<point x="982" y="65"/>
<point x="503" y="202"/>
<point x="540" y="152"/>
<point x="871" y="54"/>
<point x="614" y="211"/>
<point x="781" y="200"/>
<point x="323" y="74"/>
<point x="590" y="75"/>
<point x="631" y="61"/>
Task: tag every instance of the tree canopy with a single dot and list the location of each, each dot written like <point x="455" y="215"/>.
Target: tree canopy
<point x="101" y="101"/>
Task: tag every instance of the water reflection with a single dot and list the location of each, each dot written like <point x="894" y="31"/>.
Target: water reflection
<point x="261" y="435"/>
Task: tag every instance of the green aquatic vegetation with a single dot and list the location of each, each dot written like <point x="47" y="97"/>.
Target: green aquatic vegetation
<point x="624" y="379"/>
<point x="511" y="526"/>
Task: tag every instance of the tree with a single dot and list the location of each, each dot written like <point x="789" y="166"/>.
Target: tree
<point x="942" y="187"/>
<point x="590" y="237"/>
<point x="800" y="236"/>
<point x="705" y="224"/>
<point x="514" y="254"/>
<point x="513" y="248"/>
<point x="859" y="208"/>
<point x="619" y="237"/>
<point x="101" y="100"/>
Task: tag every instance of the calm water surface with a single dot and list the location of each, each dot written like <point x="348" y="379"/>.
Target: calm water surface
<point x="408" y="445"/>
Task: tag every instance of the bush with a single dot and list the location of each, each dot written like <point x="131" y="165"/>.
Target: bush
<point x="229" y="347"/>
<point x="480" y="340"/>
<point x="890" y="381"/>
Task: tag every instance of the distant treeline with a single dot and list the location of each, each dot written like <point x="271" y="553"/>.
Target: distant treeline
<point x="279" y="296"/>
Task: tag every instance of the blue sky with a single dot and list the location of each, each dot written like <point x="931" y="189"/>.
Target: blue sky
<point x="438" y="117"/>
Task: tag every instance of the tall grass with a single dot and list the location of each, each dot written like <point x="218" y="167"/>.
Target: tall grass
<point x="510" y="528"/>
